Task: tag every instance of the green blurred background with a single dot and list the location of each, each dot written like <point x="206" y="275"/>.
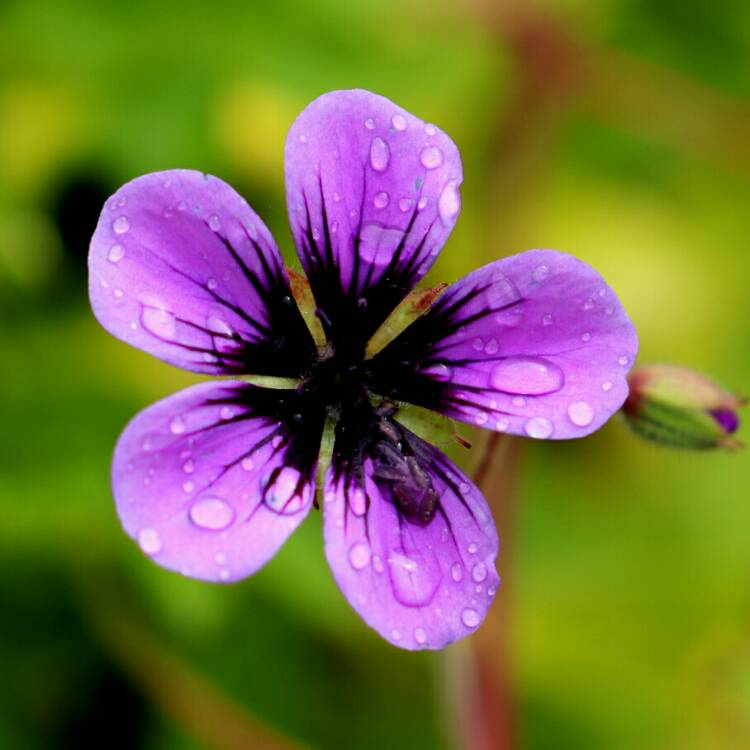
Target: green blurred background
<point x="617" y="130"/>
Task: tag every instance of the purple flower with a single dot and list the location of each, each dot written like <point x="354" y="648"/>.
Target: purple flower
<point x="212" y="480"/>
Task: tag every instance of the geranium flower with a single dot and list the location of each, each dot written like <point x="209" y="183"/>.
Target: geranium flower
<point x="212" y="480"/>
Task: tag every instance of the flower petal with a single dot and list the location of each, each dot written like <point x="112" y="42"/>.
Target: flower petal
<point x="181" y="267"/>
<point x="536" y="344"/>
<point x="212" y="480"/>
<point x="372" y="194"/>
<point x="419" y="584"/>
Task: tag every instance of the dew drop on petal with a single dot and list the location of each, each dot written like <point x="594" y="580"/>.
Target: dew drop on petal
<point x="586" y="336"/>
<point x="248" y="464"/>
<point x="481" y="418"/>
<point x="470" y="617"/>
<point x="188" y="487"/>
<point x="431" y="157"/>
<point x="405" y="204"/>
<point x="121" y="225"/>
<point x="214" y="222"/>
<point x="116" y="253"/>
<point x="527" y="375"/>
<point x="420" y="635"/>
<point x="380" y="200"/>
<point x="519" y="401"/>
<point x="370" y="123"/>
<point x="473" y="548"/>
<point x="449" y="203"/>
<point x="359" y="556"/>
<point x="623" y="361"/>
<point x="479" y="572"/>
<point x="212" y="513"/>
<point x="581" y="413"/>
<point x="414" y="581"/>
<point x="396" y="634"/>
<point x="538" y="427"/>
<point x="188" y="467"/>
<point x="177" y="426"/>
<point x="438" y="372"/>
<point x="211" y="283"/>
<point x="399" y="122"/>
<point x="160" y="322"/>
<point x="379" y="154"/>
<point x="377" y="563"/>
<point x="547" y="320"/>
<point x="607" y="385"/>
<point x="491" y="347"/>
<point x="150" y="541"/>
<point x="422" y="203"/>
<point x="540" y="273"/>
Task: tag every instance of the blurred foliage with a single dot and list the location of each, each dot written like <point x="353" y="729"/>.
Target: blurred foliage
<point x="613" y="129"/>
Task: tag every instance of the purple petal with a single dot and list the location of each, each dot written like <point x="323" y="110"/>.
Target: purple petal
<point x="418" y="585"/>
<point x="536" y="344"/>
<point x="181" y="267"/>
<point x="212" y="480"/>
<point x="372" y="194"/>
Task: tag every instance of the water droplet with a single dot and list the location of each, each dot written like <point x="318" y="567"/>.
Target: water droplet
<point x="540" y="273"/>
<point x="530" y="376"/>
<point x="414" y="579"/>
<point x="477" y="344"/>
<point x="116" y="253"/>
<point x="420" y="635"/>
<point x="438" y="372"/>
<point x="224" y="574"/>
<point x="623" y="361"/>
<point x="177" y="426"/>
<point x="470" y="617"/>
<point x="431" y="157"/>
<point x="396" y="634"/>
<point x="188" y="467"/>
<point x="473" y="548"/>
<point x="501" y="291"/>
<point x="281" y="497"/>
<point x="214" y="222"/>
<point x="212" y="283"/>
<point x="502" y="425"/>
<point x="220" y="558"/>
<point x="491" y="347"/>
<point x="121" y="225"/>
<point x="607" y="385"/>
<point x="492" y="590"/>
<point x="158" y="321"/>
<point x="405" y="204"/>
<point x="586" y="336"/>
<point x="609" y="310"/>
<point x="479" y="572"/>
<point x="226" y="412"/>
<point x="481" y="418"/>
<point x="370" y="123"/>
<point x="378" y="243"/>
<point x="547" y="320"/>
<point x="422" y="203"/>
<point x="581" y="413"/>
<point x="399" y="122"/>
<point x="380" y="200"/>
<point x="188" y="487"/>
<point x="212" y="513"/>
<point x="449" y="203"/>
<point x="588" y="304"/>
<point x="464" y="488"/>
<point x="359" y="556"/>
<point x="150" y="541"/>
<point x="538" y="427"/>
<point x="519" y="401"/>
<point x="248" y="464"/>
<point x="379" y="154"/>
<point x="377" y="563"/>
<point x="457" y="572"/>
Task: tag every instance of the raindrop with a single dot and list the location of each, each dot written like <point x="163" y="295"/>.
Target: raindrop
<point x="420" y="635"/>
<point x="449" y="203"/>
<point x="188" y="487"/>
<point x="588" y="304"/>
<point x="530" y="376"/>
<point x="479" y="572"/>
<point x="214" y="222"/>
<point x="405" y="204"/>
<point x="177" y="426"/>
<point x="399" y="122"/>
<point x="430" y="129"/>
<point x="226" y="412"/>
<point x="586" y="336"/>
<point x="158" y="321"/>
<point x="438" y="372"/>
<point x="358" y="502"/>
<point x="501" y="291"/>
<point x="473" y="548"/>
<point x="623" y="361"/>
<point x="379" y="154"/>
<point x="121" y="225"/>
<point x="414" y="582"/>
<point x="396" y="634"/>
<point x="477" y="344"/>
<point x="431" y="157"/>
<point x="547" y="320"/>
<point x="377" y="563"/>
<point x="211" y="283"/>
<point x="470" y="617"/>
<point x="538" y="427"/>
<point x="492" y="347"/>
<point x="422" y="203"/>
<point x="540" y="273"/>
<point x="380" y="200"/>
<point x="457" y="572"/>
<point x="519" y="401"/>
<point x="149" y="541"/>
<point x="116" y="253"/>
<point x="188" y="467"/>
<point x="359" y="556"/>
<point x="370" y="123"/>
<point x="248" y="464"/>
<point x="211" y="513"/>
<point x="607" y="385"/>
<point x="581" y="413"/>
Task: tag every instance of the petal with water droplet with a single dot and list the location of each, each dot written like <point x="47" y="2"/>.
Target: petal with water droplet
<point x="173" y="268"/>
<point x="427" y="573"/>
<point x="542" y="375"/>
<point x="240" y="503"/>
<point x="368" y="170"/>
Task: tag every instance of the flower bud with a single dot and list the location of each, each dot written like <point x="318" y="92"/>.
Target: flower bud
<point x="681" y="408"/>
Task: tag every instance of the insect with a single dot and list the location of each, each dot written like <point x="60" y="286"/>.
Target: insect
<point x="397" y="466"/>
